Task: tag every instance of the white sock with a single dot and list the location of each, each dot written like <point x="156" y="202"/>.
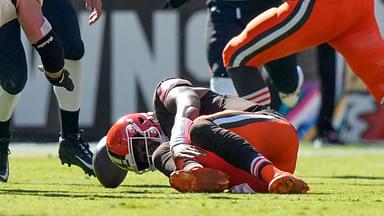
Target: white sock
<point x="7" y="103"/>
<point x="70" y="101"/>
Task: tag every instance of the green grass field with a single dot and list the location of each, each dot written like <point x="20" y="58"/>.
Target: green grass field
<point x="345" y="180"/>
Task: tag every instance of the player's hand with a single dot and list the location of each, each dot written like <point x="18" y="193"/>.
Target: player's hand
<point x="96" y="7"/>
<point x="186" y="151"/>
<point x="62" y="81"/>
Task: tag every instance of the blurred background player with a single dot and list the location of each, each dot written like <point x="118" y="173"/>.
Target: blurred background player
<point x="177" y="104"/>
<point x="226" y="19"/>
<point x="326" y="133"/>
<point x="14" y="75"/>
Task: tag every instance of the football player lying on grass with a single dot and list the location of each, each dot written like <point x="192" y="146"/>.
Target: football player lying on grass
<point x="215" y="143"/>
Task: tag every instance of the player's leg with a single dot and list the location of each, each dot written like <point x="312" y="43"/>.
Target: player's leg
<point x="212" y="135"/>
<point x="277" y="33"/>
<point x="365" y="59"/>
<point x="326" y="133"/>
<point x="287" y="78"/>
<point x="222" y="25"/>
<point x="281" y="150"/>
<point x="13" y="76"/>
<point x="72" y="143"/>
<point x="39" y="32"/>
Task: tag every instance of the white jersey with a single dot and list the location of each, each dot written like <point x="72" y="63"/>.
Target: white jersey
<point x="7" y="11"/>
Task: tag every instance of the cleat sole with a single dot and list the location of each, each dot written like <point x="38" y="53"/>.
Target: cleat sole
<point x="202" y="180"/>
<point x="287" y="184"/>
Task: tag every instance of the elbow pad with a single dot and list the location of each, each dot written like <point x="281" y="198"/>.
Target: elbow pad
<point x="51" y="52"/>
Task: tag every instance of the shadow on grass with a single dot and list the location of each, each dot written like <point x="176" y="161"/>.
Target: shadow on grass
<point x="350" y="177"/>
<point x="53" y="184"/>
<point x="90" y="185"/>
<point x="145" y="194"/>
<point x="86" y="195"/>
<point x="144" y="186"/>
<point x="358" y="177"/>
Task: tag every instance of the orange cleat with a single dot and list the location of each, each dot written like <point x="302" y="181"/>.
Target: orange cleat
<point x="201" y="180"/>
<point x="286" y="183"/>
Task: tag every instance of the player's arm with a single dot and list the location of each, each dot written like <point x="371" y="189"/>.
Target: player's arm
<point x="40" y="33"/>
<point x="185" y="103"/>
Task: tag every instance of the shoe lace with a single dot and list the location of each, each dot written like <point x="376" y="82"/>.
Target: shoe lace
<point x="83" y="143"/>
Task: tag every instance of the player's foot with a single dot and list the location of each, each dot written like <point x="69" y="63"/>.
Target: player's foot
<point x="327" y="137"/>
<point x="286" y="183"/>
<point x="74" y="149"/>
<point x="201" y="180"/>
<point x="4" y="164"/>
<point x="291" y="99"/>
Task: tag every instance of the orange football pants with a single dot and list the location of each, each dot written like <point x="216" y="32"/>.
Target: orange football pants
<point x="347" y="25"/>
<point x="275" y="139"/>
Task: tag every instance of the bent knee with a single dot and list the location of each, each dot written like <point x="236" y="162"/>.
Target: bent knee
<point x="199" y="128"/>
<point x="14" y="86"/>
<point x="73" y="48"/>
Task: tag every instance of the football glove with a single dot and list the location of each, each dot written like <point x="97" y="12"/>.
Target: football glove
<point x="186" y="151"/>
<point x="64" y="80"/>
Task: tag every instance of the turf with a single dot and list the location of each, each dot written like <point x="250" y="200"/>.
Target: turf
<point x="345" y="180"/>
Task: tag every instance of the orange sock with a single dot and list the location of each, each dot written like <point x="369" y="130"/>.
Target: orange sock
<point x="268" y="172"/>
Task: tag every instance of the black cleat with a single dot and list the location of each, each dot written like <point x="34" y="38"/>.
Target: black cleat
<point x="4" y="164"/>
<point x="74" y="149"/>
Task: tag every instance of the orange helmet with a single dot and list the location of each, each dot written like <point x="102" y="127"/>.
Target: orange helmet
<point x="132" y="140"/>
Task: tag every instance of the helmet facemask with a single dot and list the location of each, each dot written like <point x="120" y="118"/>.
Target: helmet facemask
<point x="140" y="136"/>
<point x="142" y="145"/>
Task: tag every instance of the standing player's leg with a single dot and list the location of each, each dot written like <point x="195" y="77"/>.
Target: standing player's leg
<point x="73" y="148"/>
<point x="366" y="60"/>
<point x="326" y="133"/>
<point x="225" y="22"/>
<point x="276" y="33"/>
<point x="222" y="25"/>
<point x="13" y="76"/>
<point x="287" y="78"/>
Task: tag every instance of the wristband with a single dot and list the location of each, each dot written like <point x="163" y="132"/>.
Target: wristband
<point x="180" y="131"/>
